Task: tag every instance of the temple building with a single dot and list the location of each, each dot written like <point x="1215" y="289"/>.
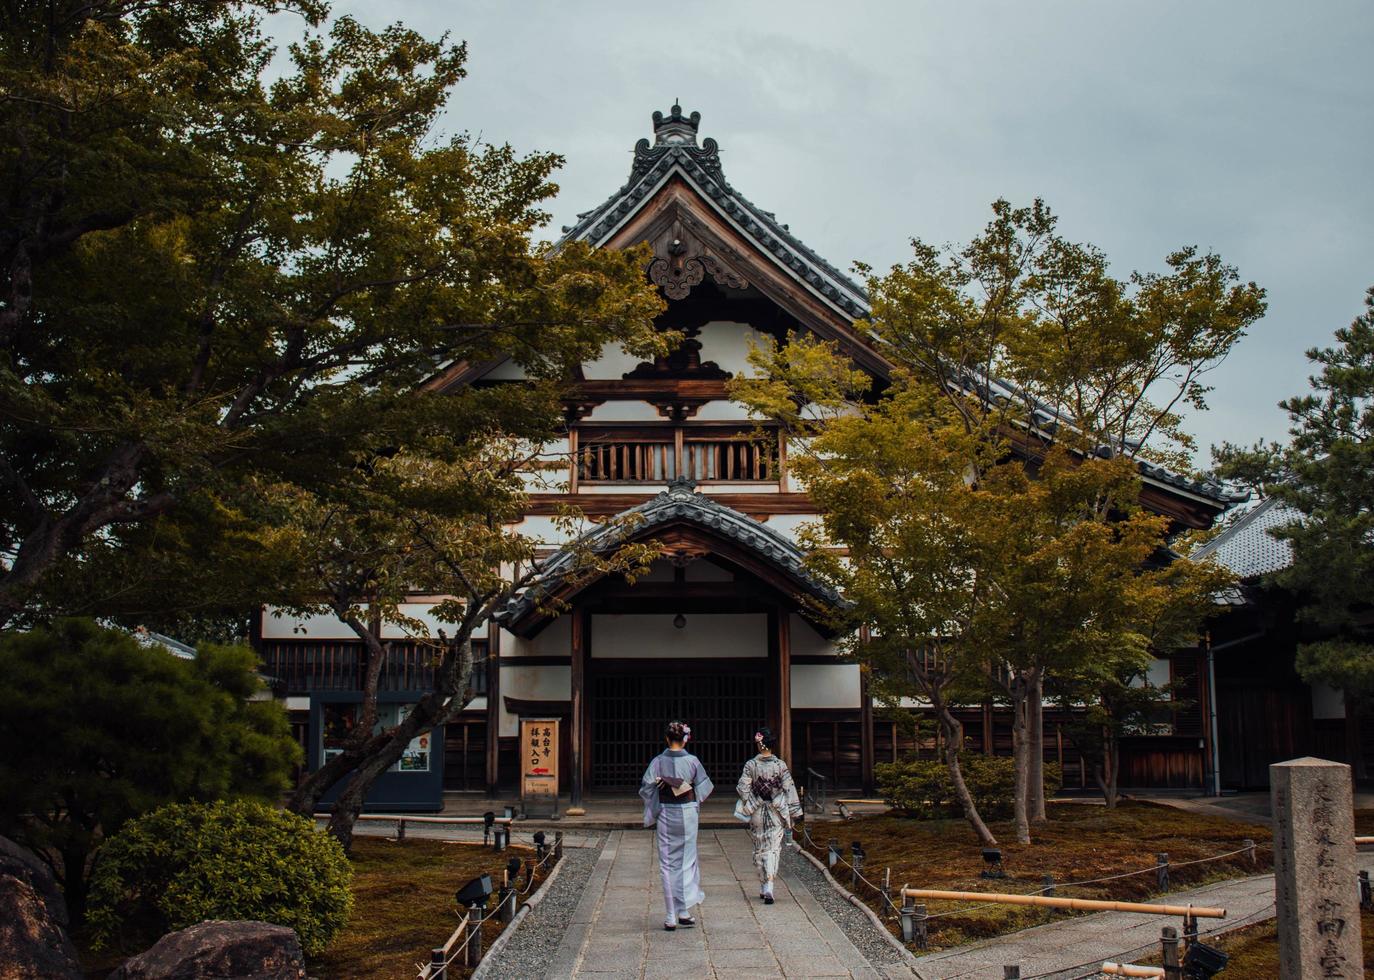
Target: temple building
<point x="717" y="633"/>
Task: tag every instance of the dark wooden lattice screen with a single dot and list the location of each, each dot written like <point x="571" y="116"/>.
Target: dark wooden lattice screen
<point x="629" y="711"/>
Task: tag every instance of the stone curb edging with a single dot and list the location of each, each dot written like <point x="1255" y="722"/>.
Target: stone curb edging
<point x="489" y="957"/>
<point x="862" y="906"/>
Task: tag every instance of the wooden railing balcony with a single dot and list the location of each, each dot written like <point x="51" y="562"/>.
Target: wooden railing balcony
<point x="705" y="460"/>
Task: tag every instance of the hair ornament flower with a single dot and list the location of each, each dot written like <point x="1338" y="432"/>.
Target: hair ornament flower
<point x="686" y="733"/>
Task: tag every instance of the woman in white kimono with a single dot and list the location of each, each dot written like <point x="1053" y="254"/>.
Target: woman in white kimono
<point x="768" y="800"/>
<point x="674" y="787"/>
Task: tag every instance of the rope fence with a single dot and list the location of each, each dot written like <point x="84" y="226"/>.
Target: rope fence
<point x="466" y="939"/>
<point x="890" y="909"/>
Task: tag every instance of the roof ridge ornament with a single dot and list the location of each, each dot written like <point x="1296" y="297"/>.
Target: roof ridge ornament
<point x="675" y="138"/>
<point x="675" y="128"/>
<point x="682" y="487"/>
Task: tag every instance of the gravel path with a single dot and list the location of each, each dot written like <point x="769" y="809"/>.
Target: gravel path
<point x="530" y="949"/>
<point x="857" y="926"/>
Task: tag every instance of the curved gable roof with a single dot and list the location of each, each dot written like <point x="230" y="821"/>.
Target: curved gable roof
<point x="679" y="504"/>
<point x="675" y="153"/>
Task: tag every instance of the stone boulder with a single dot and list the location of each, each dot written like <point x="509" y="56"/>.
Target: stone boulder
<point x="33" y="919"/>
<point x="218" y="950"/>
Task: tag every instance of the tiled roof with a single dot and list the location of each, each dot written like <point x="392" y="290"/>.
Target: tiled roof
<point x="675" y="150"/>
<point x="1247" y="548"/>
<point x="680" y="502"/>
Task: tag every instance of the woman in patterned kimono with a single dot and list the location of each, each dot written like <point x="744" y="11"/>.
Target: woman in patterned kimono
<point x="674" y="786"/>
<point x="768" y="800"/>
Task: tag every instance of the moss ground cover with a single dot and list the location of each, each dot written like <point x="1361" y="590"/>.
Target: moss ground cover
<point x="1081" y="841"/>
<point x="403" y="905"/>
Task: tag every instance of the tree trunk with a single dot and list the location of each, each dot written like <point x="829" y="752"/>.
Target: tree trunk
<point x="307" y="795"/>
<point x="953" y="742"/>
<point x="435" y="708"/>
<point x="1020" y="754"/>
<point x="363" y="742"/>
<point x="1035" y="779"/>
<point x="1113" y="753"/>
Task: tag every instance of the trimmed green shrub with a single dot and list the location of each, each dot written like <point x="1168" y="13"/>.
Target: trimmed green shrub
<point x="922" y="787"/>
<point x="185" y="863"/>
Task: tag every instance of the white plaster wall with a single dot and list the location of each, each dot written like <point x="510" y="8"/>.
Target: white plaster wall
<point x="420" y="611"/>
<point x="624" y="411"/>
<point x="553" y="469"/>
<point x="544" y="530"/>
<point x="728" y="345"/>
<point x="531" y="684"/>
<point x="655" y="638"/>
<point x="1328" y="702"/>
<point x="806" y="642"/>
<point x="825" y="686"/>
<point x="788" y="524"/>
<point x="649" y="488"/>
<point x="715" y="488"/>
<point x="611" y="365"/>
<point x="722" y="410"/>
<point x="277" y="624"/>
<point x="554" y="640"/>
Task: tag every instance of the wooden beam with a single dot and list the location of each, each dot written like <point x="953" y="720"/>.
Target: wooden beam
<point x="784" y="664"/>
<point x="579" y="709"/>
<point x="865" y="732"/>
<point x="772" y="687"/>
<point x="755" y="505"/>
<point x="493" y="709"/>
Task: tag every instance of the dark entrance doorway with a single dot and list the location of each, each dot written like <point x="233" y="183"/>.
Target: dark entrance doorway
<point x="629" y="704"/>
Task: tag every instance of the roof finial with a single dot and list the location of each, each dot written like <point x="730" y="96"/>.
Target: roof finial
<point x="676" y="128"/>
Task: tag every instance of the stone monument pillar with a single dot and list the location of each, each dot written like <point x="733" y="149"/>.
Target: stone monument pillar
<point x="1316" y="889"/>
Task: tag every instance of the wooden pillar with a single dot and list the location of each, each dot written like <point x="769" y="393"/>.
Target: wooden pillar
<point x="988" y="747"/>
<point x="493" y="709"/>
<point x="865" y="733"/>
<point x="785" y="685"/>
<point x="579" y="709"/>
<point x="780" y="680"/>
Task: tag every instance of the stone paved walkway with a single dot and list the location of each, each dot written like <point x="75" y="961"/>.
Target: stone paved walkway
<point x="617" y="930"/>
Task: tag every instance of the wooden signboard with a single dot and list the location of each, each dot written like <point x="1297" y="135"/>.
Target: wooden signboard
<point x="539" y="766"/>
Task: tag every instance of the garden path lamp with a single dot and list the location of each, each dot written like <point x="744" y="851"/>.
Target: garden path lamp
<point x="992" y="857"/>
<point x="540" y="848"/>
<point x="500" y="837"/>
<point x="1202" y="962"/>
<point x="475" y="893"/>
<point x="488" y="819"/>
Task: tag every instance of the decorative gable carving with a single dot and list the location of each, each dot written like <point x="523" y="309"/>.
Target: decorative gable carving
<point x="683" y="261"/>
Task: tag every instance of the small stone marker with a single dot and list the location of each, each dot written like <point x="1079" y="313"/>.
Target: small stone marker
<point x="1315" y="884"/>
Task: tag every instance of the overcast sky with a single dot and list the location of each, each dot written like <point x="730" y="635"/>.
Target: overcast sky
<point x="1246" y="127"/>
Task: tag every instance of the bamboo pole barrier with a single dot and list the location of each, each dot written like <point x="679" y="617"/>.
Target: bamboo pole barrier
<point x="1363" y="840"/>
<point x="1131" y="970"/>
<point x="411" y="818"/>
<point x="1077" y="904"/>
<point x="879" y="803"/>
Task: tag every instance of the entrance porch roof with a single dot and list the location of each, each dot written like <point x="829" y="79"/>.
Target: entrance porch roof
<point x="683" y="520"/>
